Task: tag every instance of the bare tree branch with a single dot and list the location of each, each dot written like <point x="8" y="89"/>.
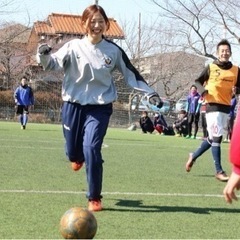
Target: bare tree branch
<point x="224" y="20"/>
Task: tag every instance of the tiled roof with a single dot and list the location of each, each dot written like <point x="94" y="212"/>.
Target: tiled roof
<point x="58" y="23"/>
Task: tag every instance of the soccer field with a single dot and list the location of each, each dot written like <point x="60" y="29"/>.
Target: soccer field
<point x="147" y="193"/>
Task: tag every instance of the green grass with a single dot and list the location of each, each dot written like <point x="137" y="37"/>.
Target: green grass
<point x="146" y="192"/>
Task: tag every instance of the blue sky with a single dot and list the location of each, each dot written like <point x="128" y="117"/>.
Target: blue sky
<point x="29" y="11"/>
<point x="121" y="10"/>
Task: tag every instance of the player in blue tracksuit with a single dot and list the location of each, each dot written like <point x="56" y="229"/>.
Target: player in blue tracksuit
<point x="23" y="97"/>
<point x="193" y="111"/>
<point x="88" y="92"/>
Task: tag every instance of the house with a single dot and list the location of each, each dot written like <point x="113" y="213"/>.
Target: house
<point x="18" y="43"/>
<point x="56" y="30"/>
<point x="61" y="27"/>
<point x="166" y="72"/>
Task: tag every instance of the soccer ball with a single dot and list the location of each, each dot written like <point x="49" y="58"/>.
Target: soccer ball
<point x="78" y="223"/>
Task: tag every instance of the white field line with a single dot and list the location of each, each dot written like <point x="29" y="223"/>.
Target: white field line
<point x="103" y="146"/>
<point x="115" y="193"/>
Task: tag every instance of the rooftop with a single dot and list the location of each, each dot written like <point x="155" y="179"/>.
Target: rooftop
<point x="61" y="23"/>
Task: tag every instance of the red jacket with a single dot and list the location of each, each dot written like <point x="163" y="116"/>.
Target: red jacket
<point x="235" y="145"/>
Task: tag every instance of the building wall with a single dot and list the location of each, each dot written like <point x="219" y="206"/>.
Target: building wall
<point x="32" y="41"/>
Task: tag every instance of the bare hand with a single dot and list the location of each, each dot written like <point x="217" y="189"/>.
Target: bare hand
<point x="232" y="185"/>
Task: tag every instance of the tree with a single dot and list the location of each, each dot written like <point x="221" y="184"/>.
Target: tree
<point x="227" y="15"/>
<point x="173" y="72"/>
<point x="166" y="67"/>
<point x="13" y="38"/>
<point x="140" y="41"/>
<point x="200" y="24"/>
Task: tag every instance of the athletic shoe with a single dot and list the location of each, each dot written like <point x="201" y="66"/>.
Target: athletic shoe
<point x="193" y="137"/>
<point x="188" y="136"/>
<point x="222" y="176"/>
<point x="189" y="163"/>
<point x="95" y="205"/>
<point x="177" y="135"/>
<point x="23" y="127"/>
<point x="76" y="166"/>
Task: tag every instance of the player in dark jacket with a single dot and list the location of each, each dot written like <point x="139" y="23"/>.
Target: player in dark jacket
<point x="181" y="124"/>
<point x="24" y="98"/>
<point x="161" y="125"/>
<point x="146" y="123"/>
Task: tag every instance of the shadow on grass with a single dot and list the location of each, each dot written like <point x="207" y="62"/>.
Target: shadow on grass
<point x="137" y="206"/>
<point x="45" y="130"/>
<point x="126" y="139"/>
<point x="205" y="175"/>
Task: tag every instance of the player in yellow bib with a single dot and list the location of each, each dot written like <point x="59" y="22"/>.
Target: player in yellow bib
<point x="215" y="84"/>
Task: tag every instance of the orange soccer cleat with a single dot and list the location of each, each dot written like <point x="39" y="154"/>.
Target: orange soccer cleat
<point x="76" y="166"/>
<point x="189" y="163"/>
<point x="95" y="205"/>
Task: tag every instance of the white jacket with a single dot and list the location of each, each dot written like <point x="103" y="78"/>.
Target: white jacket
<point x="88" y="69"/>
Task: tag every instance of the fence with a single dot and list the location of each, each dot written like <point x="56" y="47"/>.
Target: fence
<point x="47" y="107"/>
